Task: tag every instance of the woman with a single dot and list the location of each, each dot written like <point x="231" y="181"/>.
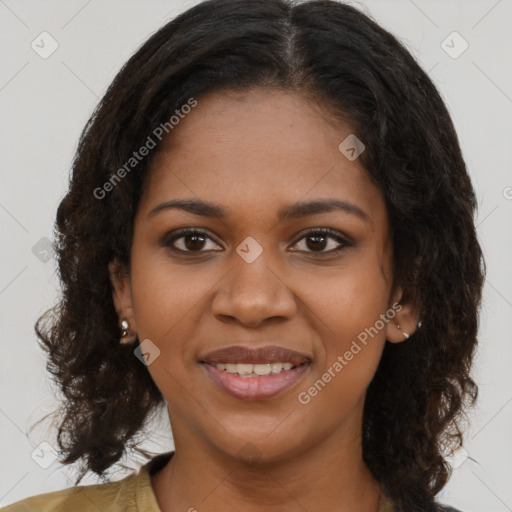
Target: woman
<point x="269" y="231"/>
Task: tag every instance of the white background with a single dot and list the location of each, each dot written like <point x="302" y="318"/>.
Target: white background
<point x="44" y="104"/>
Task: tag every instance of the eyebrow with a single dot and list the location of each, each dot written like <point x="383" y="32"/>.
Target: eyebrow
<point x="288" y="212"/>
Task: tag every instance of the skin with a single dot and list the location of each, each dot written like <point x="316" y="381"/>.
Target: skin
<point x="254" y="153"/>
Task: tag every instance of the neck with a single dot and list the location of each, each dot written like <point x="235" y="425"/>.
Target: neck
<point x="327" y="476"/>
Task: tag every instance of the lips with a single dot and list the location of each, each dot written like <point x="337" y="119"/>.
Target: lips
<point x="238" y="354"/>
<point x="288" y="368"/>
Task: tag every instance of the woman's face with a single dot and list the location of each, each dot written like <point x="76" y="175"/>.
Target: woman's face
<point x="255" y="279"/>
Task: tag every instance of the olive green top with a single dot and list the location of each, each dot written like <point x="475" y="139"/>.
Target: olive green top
<point x="131" y="494"/>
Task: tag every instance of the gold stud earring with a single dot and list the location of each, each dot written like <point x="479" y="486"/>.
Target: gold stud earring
<point x="402" y="331"/>
<point x="126" y="337"/>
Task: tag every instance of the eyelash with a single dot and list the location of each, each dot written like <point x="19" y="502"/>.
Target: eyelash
<point x="169" y="239"/>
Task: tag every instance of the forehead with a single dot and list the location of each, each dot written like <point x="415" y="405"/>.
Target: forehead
<point x="257" y="151"/>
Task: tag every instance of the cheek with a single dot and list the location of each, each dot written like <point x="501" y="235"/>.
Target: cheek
<point x="348" y="299"/>
<point x="165" y="295"/>
<point x="167" y="300"/>
<point x="347" y="306"/>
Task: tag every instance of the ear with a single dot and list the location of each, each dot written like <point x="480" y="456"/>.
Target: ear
<point x="121" y="293"/>
<point x="403" y="321"/>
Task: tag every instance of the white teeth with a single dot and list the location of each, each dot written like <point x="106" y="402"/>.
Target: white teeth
<point x="252" y="370"/>
<point x="276" y="367"/>
<point x="244" y="369"/>
<point x="262" y="369"/>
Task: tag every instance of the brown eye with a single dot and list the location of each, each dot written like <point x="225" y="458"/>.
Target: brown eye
<point x="193" y="242"/>
<point x="188" y="240"/>
<point x="317" y="241"/>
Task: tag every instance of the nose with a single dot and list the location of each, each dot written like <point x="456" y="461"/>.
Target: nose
<point x="252" y="294"/>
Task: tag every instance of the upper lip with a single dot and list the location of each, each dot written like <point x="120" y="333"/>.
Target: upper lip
<point x="259" y="355"/>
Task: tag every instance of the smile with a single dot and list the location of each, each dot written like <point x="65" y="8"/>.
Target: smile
<point x="255" y="381"/>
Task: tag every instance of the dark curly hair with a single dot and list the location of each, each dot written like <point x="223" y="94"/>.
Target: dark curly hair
<point x="342" y="61"/>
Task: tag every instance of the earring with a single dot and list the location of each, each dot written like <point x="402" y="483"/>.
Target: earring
<point x="125" y="328"/>
<point x="403" y="332"/>
<point x="126" y="338"/>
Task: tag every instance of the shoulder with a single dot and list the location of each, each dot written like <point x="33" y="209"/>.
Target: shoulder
<point x="388" y="505"/>
<point x="108" y="497"/>
<point x="133" y="492"/>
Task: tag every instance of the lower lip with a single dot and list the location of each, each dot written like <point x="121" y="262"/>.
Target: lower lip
<point x="255" y="388"/>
